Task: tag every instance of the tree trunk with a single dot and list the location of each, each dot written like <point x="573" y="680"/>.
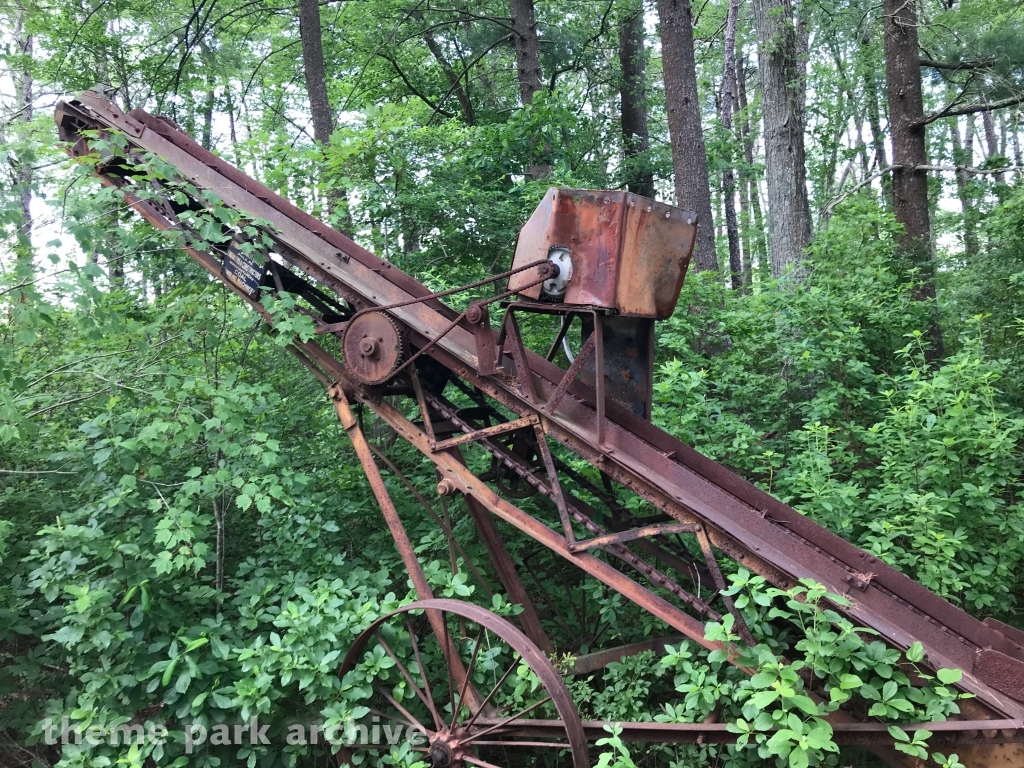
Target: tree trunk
<point x="454" y="80"/>
<point x="24" y="98"/>
<point x="877" y="137"/>
<point x="725" y="110"/>
<point x="782" y="85"/>
<point x="992" y="142"/>
<point x="319" y="105"/>
<point x="963" y="155"/>
<point x="635" y="135"/>
<point x="1018" y="156"/>
<point x="207" y="139"/>
<point x="689" y="158"/>
<point x="524" y="34"/>
<point x="527" y="45"/>
<point x="759" y="248"/>
<point x="906" y="125"/>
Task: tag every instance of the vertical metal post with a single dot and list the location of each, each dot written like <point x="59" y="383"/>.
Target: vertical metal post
<point x="398" y="533"/>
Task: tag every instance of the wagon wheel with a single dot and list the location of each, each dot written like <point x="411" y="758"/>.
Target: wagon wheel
<point x="459" y="725"/>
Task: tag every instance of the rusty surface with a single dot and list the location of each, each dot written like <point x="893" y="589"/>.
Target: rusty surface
<point x="1004" y="673"/>
<point x="372" y="345"/>
<point x="621" y="537"/>
<point x="946" y="733"/>
<point x="629" y="254"/>
<point x="459" y="735"/>
<point x="479" y="434"/>
<point x="742" y="521"/>
<point x="1012" y="634"/>
<point x="591" y="662"/>
<point x="628" y="345"/>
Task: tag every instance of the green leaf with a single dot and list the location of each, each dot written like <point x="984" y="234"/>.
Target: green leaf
<point x="915" y="653"/>
<point x="950" y="676"/>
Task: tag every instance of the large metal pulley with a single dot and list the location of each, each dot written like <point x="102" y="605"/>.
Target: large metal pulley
<point x="373" y="346"/>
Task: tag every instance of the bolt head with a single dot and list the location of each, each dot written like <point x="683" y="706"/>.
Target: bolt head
<point x="368" y="346"/>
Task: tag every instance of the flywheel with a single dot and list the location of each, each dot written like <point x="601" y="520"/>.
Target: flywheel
<point x="373" y="346"/>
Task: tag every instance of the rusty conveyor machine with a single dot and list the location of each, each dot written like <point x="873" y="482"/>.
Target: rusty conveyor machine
<point x="419" y="345"/>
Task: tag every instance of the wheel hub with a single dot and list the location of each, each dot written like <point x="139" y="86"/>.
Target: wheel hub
<point x="373" y="347"/>
<point x="444" y="749"/>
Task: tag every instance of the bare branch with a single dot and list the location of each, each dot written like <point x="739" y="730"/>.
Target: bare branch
<point x="971" y="109"/>
<point x="958" y="65"/>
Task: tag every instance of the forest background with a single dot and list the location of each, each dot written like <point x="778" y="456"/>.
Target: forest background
<point x="175" y="492"/>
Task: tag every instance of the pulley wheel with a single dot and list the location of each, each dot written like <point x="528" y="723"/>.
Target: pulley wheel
<point x="514" y="708"/>
<point x="373" y="346"/>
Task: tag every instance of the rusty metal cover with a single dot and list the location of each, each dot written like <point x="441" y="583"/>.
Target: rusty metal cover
<point x="629" y="253"/>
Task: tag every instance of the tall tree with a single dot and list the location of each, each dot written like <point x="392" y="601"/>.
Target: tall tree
<point x="963" y="155"/>
<point x="527" y="45"/>
<point x="311" y="35"/>
<point x="782" y="86"/>
<point x="909" y="150"/>
<point x="636" y="137"/>
<point x="25" y="101"/>
<point x="686" y="134"/>
<point x="756" y="249"/>
<point x="725" y="110"/>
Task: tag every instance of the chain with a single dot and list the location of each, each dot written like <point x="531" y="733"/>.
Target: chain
<point x="546" y="275"/>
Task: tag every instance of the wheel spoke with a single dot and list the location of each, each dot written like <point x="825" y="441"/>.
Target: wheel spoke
<point x="477" y="761"/>
<point x="504" y="723"/>
<point x="449" y="651"/>
<point x="438" y="722"/>
<point x="404" y="671"/>
<point x="469" y="675"/>
<point x="400" y="708"/>
<point x="497" y="685"/>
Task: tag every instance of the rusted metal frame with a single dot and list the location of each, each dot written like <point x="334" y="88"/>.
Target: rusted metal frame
<point x="402" y="542"/>
<point x="584" y="514"/>
<point x="444" y="525"/>
<point x="417" y="388"/>
<point x="494" y="431"/>
<point x="510" y="333"/>
<point x="312" y="242"/>
<point x="740" y="625"/>
<point x="642" y="464"/>
<point x="621" y="537"/>
<point x="599" y="382"/>
<point x="554" y="486"/>
<point x="563" y="329"/>
<point x="571" y="373"/>
<point x="468" y="483"/>
<point x="952" y="618"/>
<point x="591" y="662"/>
<point x="945" y="733"/>
<point x="671" y="557"/>
<point x="332" y="360"/>
<point x="479" y="318"/>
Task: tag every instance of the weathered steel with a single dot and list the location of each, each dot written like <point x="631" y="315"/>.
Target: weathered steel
<point x="459" y="736"/>
<point x="479" y="434"/>
<point x="373" y="345"/>
<point x="621" y="537"/>
<point x="591" y="662"/>
<point x="739" y="519"/>
<point x="628" y="253"/>
<point x="946" y="733"/>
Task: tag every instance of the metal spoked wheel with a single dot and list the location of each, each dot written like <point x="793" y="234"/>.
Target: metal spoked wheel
<point x="492" y="700"/>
